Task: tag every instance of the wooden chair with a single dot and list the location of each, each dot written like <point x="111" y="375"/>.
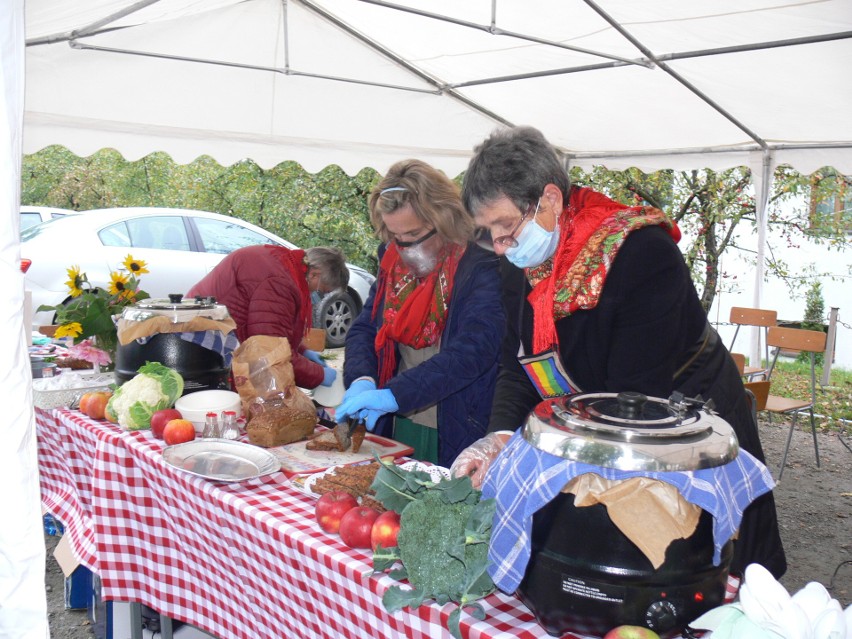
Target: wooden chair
<point x="795" y="339"/>
<point x="741" y="316"/>
<point x="758" y="395"/>
<point x="739" y="360"/>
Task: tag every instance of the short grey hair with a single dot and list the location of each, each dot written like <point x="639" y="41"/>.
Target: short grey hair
<point x="331" y="264"/>
<point x="517" y="163"/>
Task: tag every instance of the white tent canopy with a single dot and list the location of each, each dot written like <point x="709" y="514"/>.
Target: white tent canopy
<point x="654" y="84"/>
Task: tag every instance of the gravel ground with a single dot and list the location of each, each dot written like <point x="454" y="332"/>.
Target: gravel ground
<point x="814" y="509"/>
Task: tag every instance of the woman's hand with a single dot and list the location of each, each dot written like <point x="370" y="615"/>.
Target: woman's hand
<point x="328" y="376"/>
<point x="313" y="356"/>
<point x="475" y="460"/>
<point x="368" y="405"/>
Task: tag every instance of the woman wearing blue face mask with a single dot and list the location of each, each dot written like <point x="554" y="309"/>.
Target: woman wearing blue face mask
<point x="598" y="299"/>
<point x="422" y="357"/>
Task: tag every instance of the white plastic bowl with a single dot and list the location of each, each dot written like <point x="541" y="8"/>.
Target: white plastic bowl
<point x="195" y="406"/>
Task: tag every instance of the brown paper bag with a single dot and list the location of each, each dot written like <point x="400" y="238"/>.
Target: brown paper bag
<point x="263" y="377"/>
<point x="651" y="513"/>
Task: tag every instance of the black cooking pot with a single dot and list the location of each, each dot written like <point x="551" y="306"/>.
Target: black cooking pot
<point x="201" y="368"/>
<point x="584" y="574"/>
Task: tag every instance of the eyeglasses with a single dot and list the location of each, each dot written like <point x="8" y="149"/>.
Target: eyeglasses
<point x="419" y="240"/>
<point x="483" y="235"/>
<point x="392" y="189"/>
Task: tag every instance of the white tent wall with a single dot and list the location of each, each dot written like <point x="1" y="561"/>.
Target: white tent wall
<point x="23" y="604"/>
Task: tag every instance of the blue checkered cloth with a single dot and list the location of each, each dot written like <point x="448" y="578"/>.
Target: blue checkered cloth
<point x="211" y="340"/>
<point x="214" y="341"/>
<point x="523" y="479"/>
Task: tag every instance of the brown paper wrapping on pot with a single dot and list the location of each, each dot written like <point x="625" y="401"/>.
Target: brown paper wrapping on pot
<point x="650" y="512"/>
<point x="130" y="330"/>
<point x="263" y="377"/>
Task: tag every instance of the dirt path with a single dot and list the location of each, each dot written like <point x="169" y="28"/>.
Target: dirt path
<point x="814" y="508"/>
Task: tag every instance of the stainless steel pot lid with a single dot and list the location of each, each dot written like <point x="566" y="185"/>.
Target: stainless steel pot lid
<point x="630" y="431"/>
<point x="176" y="308"/>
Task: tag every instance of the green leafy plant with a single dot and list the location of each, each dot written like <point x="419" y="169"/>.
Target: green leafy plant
<point x="814" y="314"/>
<point x="89" y="313"/>
<point x="445" y="528"/>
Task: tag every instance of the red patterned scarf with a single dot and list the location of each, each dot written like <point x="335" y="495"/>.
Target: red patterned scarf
<point x="414" y="311"/>
<point x="293" y="260"/>
<point x="592" y="229"/>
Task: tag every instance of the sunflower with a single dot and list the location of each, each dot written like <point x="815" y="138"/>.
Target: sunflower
<point x="72" y="329"/>
<point x="118" y="284"/>
<point x="136" y="267"/>
<point x="75" y="281"/>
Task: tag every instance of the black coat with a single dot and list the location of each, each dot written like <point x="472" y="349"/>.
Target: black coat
<point x="644" y="328"/>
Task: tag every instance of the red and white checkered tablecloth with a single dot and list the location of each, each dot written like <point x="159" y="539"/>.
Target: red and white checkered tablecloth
<point x="243" y="560"/>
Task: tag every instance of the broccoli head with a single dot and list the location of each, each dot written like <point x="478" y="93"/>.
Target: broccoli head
<point x="431" y="540"/>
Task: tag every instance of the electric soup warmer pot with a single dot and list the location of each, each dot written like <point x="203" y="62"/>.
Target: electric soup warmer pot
<point x="200" y="367"/>
<point x="584" y="574"/>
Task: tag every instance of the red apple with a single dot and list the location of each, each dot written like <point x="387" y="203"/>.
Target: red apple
<point x="162" y="417"/>
<point x="178" y="431"/>
<point x="331" y="507"/>
<point x="356" y="526"/>
<point x="631" y="632"/>
<point x="385" y="530"/>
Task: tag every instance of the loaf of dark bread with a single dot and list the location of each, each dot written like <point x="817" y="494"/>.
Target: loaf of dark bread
<point x="279" y="425"/>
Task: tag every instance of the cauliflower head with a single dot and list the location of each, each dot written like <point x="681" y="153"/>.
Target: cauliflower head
<point x="154" y="388"/>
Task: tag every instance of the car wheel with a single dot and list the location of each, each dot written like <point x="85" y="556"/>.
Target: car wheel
<point x="335" y="314"/>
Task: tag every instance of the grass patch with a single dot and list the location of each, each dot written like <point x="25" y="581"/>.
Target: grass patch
<point x="834" y="401"/>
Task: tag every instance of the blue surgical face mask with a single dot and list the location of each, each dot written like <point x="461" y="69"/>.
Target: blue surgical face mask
<point x="535" y="245"/>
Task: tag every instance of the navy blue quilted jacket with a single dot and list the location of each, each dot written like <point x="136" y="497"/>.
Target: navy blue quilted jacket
<point x="461" y="377"/>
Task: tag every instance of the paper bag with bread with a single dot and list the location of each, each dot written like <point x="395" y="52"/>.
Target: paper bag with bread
<point x="277" y="411"/>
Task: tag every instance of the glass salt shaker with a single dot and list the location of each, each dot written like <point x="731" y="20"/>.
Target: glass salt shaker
<point x="211" y="426"/>
<point x="230" y="430"/>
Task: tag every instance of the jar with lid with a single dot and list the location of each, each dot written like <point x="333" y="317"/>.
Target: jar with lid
<point x="211" y="426"/>
<point x="230" y="430"/>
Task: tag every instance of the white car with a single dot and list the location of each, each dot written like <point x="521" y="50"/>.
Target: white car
<point x="32" y="215"/>
<point x="180" y="247"/>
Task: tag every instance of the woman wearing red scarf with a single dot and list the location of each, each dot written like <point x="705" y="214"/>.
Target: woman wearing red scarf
<point x="598" y="299"/>
<point x="421" y="358"/>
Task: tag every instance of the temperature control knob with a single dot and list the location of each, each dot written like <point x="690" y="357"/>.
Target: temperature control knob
<point x="661" y="616"/>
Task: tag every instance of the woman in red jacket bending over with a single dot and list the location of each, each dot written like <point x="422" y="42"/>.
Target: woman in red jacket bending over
<point x="267" y="290"/>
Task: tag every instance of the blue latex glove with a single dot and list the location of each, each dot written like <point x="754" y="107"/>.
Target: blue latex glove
<point x="371" y="418"/>
<point x="328" y="376"/>
<point x="368" y="405"/>
<point x="356" y="388"/>
<point x="314" y="357"/>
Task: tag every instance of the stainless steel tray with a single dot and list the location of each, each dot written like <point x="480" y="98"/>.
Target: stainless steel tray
<point x="221" y="459"/>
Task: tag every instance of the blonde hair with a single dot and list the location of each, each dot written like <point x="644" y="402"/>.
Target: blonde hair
<point x="435" y="199"/>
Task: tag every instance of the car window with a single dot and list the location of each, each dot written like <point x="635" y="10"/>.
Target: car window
<point x="115" y="235"/>
<point x="158" y="232"/>
<point x="29" y="219"/>
<point x="219" y="236"/>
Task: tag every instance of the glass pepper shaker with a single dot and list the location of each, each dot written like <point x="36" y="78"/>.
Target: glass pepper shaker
<point x="230" y="430"/>
<point x="211" y="426"/>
